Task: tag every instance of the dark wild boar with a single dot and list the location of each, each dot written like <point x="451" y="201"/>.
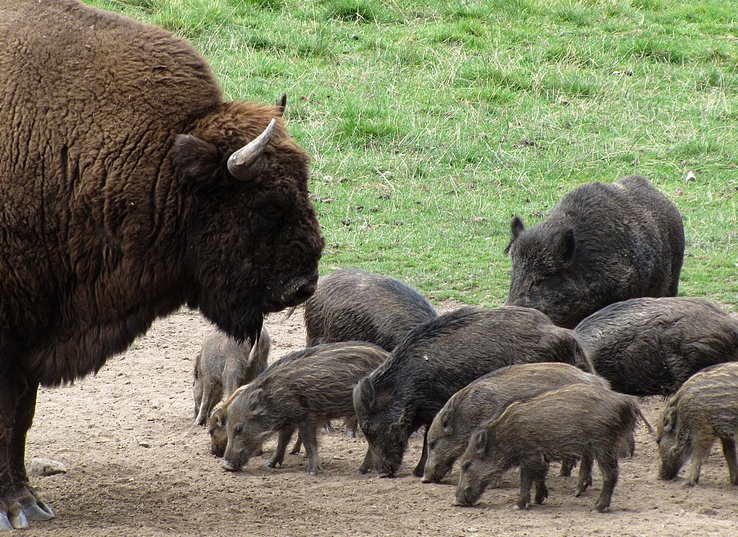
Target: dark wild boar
<point x="129" y="188"/>
<point x="355" y="305"/>
<point x="223" y="365"/>
<point x="302" y="391"/>
<point x="704" y="409"/>
<point x="602" y="243"/>
<point x="650" y="346"/>
<point x="579" y="421"/>
<point x="439" y="358"/>
<point x="449" y="433"/>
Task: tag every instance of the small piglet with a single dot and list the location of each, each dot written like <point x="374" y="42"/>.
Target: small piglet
<point x="650" y="346"/>
<point x="223" y="365"/>
<point x="449" y="433"/>
<point x="437" y="359"/>
<point x="355" y="305"/>
<point x="579" y="421"/>
<point x="302" y="391"/>
<point x="704" y="409"/>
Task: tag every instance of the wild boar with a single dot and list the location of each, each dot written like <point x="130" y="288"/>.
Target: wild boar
<point x="223" y="365"/>
<point x="602" y="243"/>
<point x="437" y="359"/>
<point x="579" y="421"/>
<point x="355" y="305"/>
<point x="705" y="408"/>
<point x="650" y="346"/>
<point x="302" y="390"/>
<point x="449" y="433"/>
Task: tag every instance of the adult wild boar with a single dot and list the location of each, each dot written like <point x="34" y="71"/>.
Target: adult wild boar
<point x="129" y="188"/>
<point x="602" y="243"/>
<point x="650" y="346"/>
<point x="222" y="365"/>
<point x="440" y="357"/>
<point x="704" y="409"/>
<point x="449" y="433"/>
<point x="356" y="305"/>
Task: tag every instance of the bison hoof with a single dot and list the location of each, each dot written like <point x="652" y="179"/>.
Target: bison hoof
<point x="35" y="509"/>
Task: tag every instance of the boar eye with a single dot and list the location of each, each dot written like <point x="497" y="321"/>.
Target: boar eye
<point x="432" y="444"/>
<point x="466" y="466"/>
<point x="238" y="429"/>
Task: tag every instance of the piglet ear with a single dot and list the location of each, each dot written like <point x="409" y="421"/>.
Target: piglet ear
<point x="445" y="424"/>
<point x="479" y="441"/>
<point x="669" y="419"/>
<point x="255" y="402"/>
<point x="516" y="228"/>
<point x="194" y="159"/>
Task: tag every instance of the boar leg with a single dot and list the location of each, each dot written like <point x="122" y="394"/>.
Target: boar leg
<point x="609" y="468"/>
<point x="368" y="463"/>
<point x="285" y="433"/>
<point x="309" y="433"/>
<point x="729" y="452"/>
<point x="701" y="448"/>
<point x="532" y="470"/>
<point x="566" y="467"/>
<point x="297" y="446"/>
<point x="420" y="468"/>
<point x="585" y="474"/>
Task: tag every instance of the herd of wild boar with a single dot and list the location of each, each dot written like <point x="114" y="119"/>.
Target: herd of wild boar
<point x="591" y="322"/>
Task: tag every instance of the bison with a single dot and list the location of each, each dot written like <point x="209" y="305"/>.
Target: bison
<point x="602" y="243"/>
<point x="129" y="188"/>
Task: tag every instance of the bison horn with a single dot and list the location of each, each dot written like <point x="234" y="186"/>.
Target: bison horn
<point x="243" y="164"/>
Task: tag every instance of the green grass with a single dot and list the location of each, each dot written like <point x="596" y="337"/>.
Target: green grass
<point x="431" y="123"/>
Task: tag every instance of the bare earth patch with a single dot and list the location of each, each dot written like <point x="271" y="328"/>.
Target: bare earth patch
<point x="136" y="465"/>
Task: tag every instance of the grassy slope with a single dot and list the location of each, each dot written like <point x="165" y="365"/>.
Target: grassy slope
<point x="431" y="123"/>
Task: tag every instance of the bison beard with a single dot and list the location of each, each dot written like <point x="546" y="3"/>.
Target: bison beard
<point x="129" y="188"/>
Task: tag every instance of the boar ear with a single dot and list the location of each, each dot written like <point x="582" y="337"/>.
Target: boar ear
<point x="566" y="245"/>
<point x="479" y="441"/>
<point x="365" y="391"/>
<point x="669" y="419"/>
<point x="445" y="425"/>
<point x="516" y="227"/>
<point x="195" y="160"/>
<point x="255" y="401"/>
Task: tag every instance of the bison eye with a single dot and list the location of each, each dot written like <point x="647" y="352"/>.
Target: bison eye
<point x="270" y="210"/>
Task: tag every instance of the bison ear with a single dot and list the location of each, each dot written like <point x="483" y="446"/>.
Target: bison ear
<point x="566" y="245"/>
<point x="255" y="402"/>
<point x="516" y="228"/>
<point x="281" y="104"/>
<point x="479" y="441"/>
<point x="669" y="419"/>
<point x="195" y="160"/>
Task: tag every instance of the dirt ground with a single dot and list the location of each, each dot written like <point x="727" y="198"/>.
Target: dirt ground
<point x="137" y="466"/>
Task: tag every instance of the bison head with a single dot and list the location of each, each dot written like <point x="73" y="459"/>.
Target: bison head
<point x="252" y="237"/>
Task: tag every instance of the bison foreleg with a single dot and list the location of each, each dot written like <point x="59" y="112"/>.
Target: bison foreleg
<point x="33" y="507"/>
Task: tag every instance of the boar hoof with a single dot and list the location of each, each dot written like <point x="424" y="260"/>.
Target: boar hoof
<point x="602" y="508"/>
<point x="520" y="504"/>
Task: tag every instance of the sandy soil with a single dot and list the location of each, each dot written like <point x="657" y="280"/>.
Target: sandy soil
<point x="136" y="465"/>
